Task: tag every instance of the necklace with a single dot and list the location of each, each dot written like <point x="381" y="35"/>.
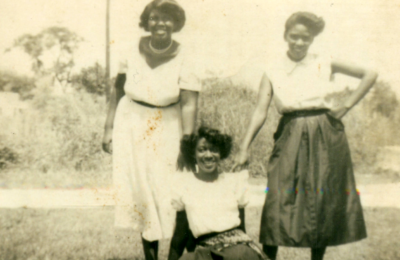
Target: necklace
<point x="160" y="51"/>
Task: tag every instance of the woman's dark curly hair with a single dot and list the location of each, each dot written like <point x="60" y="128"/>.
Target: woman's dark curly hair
<point x="170" y="7"/>
<point x="189" y="142"/>
<point x="314" y="23"/>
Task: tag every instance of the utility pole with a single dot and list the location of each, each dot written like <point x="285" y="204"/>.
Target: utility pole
<point x="108" y="83"/>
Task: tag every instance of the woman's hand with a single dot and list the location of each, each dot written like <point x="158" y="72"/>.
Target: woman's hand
<point x="338" y="112"/>
<point x="182" y="163"/>
<point x="107" y="141"/>
<point x="241" y="160"/>
<point x="368" y="78"/>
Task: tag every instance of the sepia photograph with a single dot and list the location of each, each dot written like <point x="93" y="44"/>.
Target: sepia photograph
<point x="199" y="130"/>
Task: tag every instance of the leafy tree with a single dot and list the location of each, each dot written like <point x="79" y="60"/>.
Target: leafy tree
<point x="60" y="42"/>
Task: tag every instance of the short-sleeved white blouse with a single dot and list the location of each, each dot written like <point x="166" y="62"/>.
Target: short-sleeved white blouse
<point x="159" y="86"/>
<point x="302" y="85"/>
<point x="211" y="206"/>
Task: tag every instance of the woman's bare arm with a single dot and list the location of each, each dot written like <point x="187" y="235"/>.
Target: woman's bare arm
<point x="257" y="120"/>
<point x="189" y="109"/>
<point x="368" y="78"/>
<point x="116" y="94"/>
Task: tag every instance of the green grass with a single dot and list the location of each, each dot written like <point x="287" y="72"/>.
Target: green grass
<point x="89" y="234"/>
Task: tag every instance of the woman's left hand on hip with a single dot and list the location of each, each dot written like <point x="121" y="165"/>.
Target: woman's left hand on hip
<point x="338" y="112"/>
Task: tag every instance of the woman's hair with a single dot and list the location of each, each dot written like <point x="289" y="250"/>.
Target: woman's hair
<point x="189" y="142"/>
<point x="314" y="23"/>
<point x="170" y="7"/>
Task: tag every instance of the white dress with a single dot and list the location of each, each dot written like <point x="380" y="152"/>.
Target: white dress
<point x="146" y="144"/>
<point x="211" y="206"/>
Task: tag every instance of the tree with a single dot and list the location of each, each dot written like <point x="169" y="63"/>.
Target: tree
<point x="60" y="43"/>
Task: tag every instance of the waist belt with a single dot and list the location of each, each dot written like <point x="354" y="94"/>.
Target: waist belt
<point x="304" y="113"/>
<point x="153" y="106"/>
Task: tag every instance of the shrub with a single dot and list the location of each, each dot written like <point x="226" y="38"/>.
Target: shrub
<point x="7" y="156"/>
<point x="228" y="108"/>
<point x="65" y="132"/>
<point x="10" y="81"/>
<point x="60" y="132"/>
<point x="92" y="79"/>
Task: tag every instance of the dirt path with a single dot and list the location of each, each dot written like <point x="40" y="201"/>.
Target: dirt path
<point x="373" y="195"/>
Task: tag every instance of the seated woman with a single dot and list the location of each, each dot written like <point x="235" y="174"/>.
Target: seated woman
<point x="212" y="199"/>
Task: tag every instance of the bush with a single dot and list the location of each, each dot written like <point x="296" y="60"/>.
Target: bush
<point x="92" y="79"/>
<point x="369" y="125"/>
<point x="228" y="108"/>
<point x="60" y="132"/>
<point x="13" y="82"/>
<point x="65" y="132"/>
<point x="7" y="156"/>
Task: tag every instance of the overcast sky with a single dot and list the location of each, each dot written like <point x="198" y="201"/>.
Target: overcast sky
<point x="223" y="34"/>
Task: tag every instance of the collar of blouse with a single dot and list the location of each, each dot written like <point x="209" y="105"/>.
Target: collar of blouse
<point x="290" y="65"/>
<point x="154" y="59"/>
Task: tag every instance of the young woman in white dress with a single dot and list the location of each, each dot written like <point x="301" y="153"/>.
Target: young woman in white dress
<point x="153" y="104"/>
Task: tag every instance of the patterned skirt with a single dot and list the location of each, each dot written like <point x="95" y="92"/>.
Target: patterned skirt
<point x="312" y="200"/>
<point x="229" y="245"/>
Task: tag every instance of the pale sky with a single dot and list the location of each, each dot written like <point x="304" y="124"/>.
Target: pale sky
<point x="223" y="34"/>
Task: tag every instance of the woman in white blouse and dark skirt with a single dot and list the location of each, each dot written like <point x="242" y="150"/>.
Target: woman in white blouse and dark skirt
<point x="153" y="104"/>
<point x="214" y="201"/>
<point x="312" y="199"/>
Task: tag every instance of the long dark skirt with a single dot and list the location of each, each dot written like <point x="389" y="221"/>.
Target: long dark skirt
<point x="311" y="199"/>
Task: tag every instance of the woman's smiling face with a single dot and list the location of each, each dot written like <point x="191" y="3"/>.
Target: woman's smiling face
<point x="299" y="40"/>
<point x="161" y="25"/>
<point x="207" y="157"/>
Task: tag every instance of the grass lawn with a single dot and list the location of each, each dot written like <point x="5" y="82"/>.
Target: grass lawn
<point x="89" y="234"/>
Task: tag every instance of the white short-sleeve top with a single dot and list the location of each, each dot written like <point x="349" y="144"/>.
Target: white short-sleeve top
<point x="159" y="86"/>
<point x="302" y="85"/>
<point x="211" y="206"/>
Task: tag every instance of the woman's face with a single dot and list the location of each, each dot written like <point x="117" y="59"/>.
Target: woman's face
<point x="161" y="25"/>
<point x="299" y="40"/>
<point x="207" y="157"/>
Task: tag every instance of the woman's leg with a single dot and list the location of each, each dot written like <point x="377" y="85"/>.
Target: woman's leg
<point x="318" y="253"/>
<point x="270" y="251"/>
<point x="181" y="238"/>
<point x="150" y="249"/>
